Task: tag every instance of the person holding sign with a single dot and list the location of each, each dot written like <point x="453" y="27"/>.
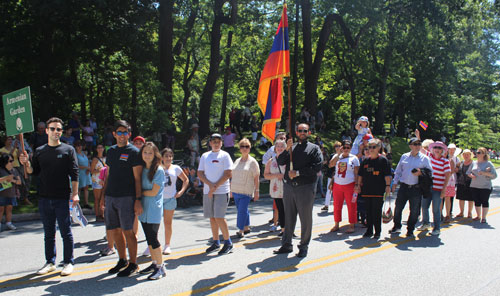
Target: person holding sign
<point x="56" y="165"/>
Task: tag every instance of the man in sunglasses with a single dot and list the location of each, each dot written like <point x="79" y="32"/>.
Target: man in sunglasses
<point x="298" y="197"/>
<point x="123" y="198"/>
<point x="56" y="165"/>
<point x="406" y="174"/>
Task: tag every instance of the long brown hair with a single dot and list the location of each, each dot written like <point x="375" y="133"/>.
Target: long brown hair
<point x="156" y="160"/>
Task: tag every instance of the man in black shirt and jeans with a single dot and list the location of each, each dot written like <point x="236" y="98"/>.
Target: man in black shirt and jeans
<point x="55" y="163"/>
<point x="123" y="197"/>
<point x="298" y="195"/>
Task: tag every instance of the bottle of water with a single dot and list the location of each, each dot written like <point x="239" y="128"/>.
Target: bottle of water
<point x="354" y="197"/>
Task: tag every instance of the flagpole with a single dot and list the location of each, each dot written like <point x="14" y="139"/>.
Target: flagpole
<point x="289" y="100"/>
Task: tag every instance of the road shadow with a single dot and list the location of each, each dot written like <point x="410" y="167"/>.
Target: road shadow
<point x="276" y="263"/>
<point x="29" y="281"/>
<point x="424" y="241"/>
<point x="364" y="242"/>
<point x="190" y="259"/>
<point x="102" y="284"/>
<point x="209" y="286"/>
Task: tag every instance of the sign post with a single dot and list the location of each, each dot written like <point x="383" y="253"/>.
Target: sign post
<point x="18" y="114"/>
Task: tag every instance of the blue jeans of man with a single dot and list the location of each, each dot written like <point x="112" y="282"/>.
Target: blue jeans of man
<point x="52" y="210"/>
<point x="243" y="218"/>
<point x="436" y="209"/>
<point x="413" y="196"/>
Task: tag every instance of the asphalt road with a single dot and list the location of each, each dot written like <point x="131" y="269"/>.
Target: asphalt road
<point x="463" y="260"/>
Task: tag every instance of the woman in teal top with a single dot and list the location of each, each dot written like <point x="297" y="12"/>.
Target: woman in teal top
<point x="84" y="173"/>
<point x="153" y="177"/>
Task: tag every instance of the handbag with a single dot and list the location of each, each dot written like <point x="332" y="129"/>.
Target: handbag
<point x="387" y="214"/>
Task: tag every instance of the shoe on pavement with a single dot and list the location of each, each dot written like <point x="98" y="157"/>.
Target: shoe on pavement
<point x="368" y="234"/>
<point x="146" y="252"/>
<point x="247" y="231"/>
<point x="107" y="251"/>
<point x="395" y="230"/>
<point x="436" y="232"/>
<point x="167" y="250"/>
<point x="213" y="248"/>
<point x="424" y="227"/>
<point x="159" y="272"/>
<point x="67" y="269"/>
<point x="48" y="267"/>
<point x="11" y="226"/>
<point x="324" y="209"/>
<point x="130" y="270"/>
<point x="273" y="228"/>
<point x="302" y="253"/>
<point x="410" y="234"/>
<point x="121" y="265"/>
<point x="376" y="236"/>
<point x="150" y="269"/>
<point x="226" y="249"/>
<point x="239" y="234"/>
<point x="283" y="250"/>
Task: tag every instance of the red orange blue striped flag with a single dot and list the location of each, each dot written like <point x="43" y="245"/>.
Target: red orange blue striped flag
<point x="423" y="125"/>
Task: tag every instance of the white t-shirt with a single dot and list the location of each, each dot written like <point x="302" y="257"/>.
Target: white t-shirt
<point x="214" y="164"/>
<point x="344" y="170"/>
<point x="173" y="172"/>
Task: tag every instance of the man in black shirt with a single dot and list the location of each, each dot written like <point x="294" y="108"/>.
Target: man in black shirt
<point x="56" y="164"/>
<point x="298" y="196"/>
<point x="374" y="179"/>
<point x="123" y="197"/>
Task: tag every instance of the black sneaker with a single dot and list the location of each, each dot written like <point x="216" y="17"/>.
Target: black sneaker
<point x="368" y="234"/>
<point x="226" y="249"/>
<point x="302" y="253"/>
<point x="130" y="270"/>
<point x="121" y="265"/>
<point x="376" y="236"/>
<point x="395" y="230"/>
<point x="410" y="234"/>
<point x="213" y="248"/>
<point x="283" y="250"/>
<point x="149" y="269"/>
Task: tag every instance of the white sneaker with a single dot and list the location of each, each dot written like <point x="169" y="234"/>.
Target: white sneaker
<point x="167" y="250"/>
<point x="146" y="252"/>
<point x="48" y="267"/>
<point x="273" y="228"/>
<point x="67" y="269"/>
<point x="436" y="232"/>
<point x="11" y="226"/>
<point x="424" y="226"/>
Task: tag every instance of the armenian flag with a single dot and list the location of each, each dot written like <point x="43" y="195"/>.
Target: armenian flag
<point x="423" y="125"/>
<point x="270" y="96"/>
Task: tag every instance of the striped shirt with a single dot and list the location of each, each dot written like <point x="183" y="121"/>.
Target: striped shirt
<point x="439" y="168"/>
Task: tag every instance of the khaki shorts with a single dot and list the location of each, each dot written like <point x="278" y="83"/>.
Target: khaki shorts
<point x="216" y="206"/>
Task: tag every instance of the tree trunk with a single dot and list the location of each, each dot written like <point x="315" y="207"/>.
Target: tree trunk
<point x="226" y="83"/>
<point x="133" y="103"/>
<point x="215" y="58"/>
<point x="185" y="86"/>
<point x="166" y="68"/>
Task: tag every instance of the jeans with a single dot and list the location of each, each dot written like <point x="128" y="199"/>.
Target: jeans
<point x="414" y="197"/>
<point x="243" y="218"/>
<point x="50" y="211"/>
<point x="436" y="209"/>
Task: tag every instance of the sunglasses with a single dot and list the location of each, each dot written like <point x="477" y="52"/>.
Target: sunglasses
<point x="346" y="147"/>
<point x="55" y="129"/>
<point x="122" y="133"/>
<point x="244" y="146"/>
<point x="337" y="146"/>
<point x="437" y="147"/>
<point x="11" y="160"/>
<point x="479" y="152"/>
<point x="302" y="131"/>
<point x="372" y="147"/>
<point x="416" y="144"/>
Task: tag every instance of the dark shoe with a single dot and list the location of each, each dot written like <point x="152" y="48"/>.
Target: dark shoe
<point x="271" y="221"/>
<point x="239" y="234"/>
<point x="130" y="270"/>
<point x="87" y="207"/>
<point x="280" y="234"/>
<point x="226" y="249"/>
<point x="376" y="236"/>
<point x="324" y="209"/>
<point x="246" y="231"/>
<point x="213" y="248"/>
<point x="302" y="253"/>
<point x="368" y="234"/>
<point x="121" y="265"/>
<point x="150" y="269"/>
<point x="294" y="236"/>
<point x="283" y="250"/>
<point x="410" y="234"/>
<point x="395" y="230"/>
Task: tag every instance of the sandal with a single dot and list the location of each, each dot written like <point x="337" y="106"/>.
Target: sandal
<point x="349" y="230"/>
<point x="483" y="220"/>
<point x="335" y="229"/>
<point x="459" y="216"/>
<point x="476" y="219"/>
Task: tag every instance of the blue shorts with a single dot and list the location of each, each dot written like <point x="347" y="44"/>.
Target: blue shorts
<point x="169" y="204"/>
<point x="8" y="201"/>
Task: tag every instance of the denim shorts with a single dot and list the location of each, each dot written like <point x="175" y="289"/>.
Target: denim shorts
<point x="169" y="204"/>
<point x="8" y="201"/>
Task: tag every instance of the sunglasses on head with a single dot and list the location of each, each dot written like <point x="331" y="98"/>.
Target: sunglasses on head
<point x="302" y="131"/>
<point x="55" y="129"/>
<point x="122" y="133"/>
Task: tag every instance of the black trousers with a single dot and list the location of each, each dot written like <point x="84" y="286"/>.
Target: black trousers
<point x="414" y="197"/>
<point x="281" y="211"/>
<point x="374" y="214"/>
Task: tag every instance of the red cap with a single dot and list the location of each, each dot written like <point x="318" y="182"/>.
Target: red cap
<point x="139" y="138"/>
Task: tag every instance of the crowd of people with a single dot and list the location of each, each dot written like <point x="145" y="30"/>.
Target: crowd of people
<point x="137" y="183"/>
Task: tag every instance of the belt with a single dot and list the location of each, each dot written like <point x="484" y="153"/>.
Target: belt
<point x="293" y="183"/>
<point x="409" y="186"/>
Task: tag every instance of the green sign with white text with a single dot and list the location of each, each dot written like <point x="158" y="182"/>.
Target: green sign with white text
<point x="17" y="112"/>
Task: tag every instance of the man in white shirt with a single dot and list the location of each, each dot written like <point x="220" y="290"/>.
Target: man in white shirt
<point x="214" y="171"/>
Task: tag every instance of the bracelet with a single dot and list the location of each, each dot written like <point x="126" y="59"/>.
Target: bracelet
<point x="138" y="198"/>
<point x="387" y="185"/>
